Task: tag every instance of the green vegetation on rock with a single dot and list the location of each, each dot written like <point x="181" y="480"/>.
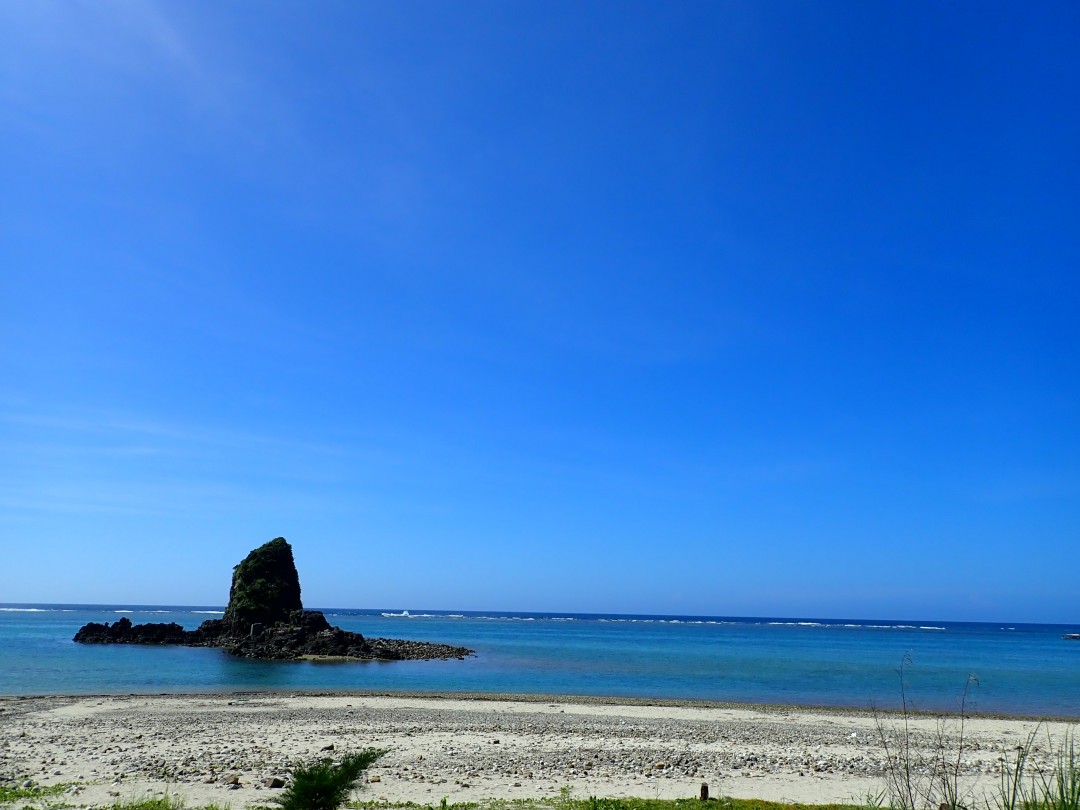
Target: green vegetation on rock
<point x="265" y="587"/>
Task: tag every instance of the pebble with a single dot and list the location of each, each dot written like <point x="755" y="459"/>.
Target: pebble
<point x="184" y="743"/>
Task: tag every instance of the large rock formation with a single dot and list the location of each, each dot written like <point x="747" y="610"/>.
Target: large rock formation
<point x="265" y="588"/>
<point x="266" y="619"/>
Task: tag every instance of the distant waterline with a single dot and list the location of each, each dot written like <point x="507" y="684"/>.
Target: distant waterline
<point x="1021" y="669"/>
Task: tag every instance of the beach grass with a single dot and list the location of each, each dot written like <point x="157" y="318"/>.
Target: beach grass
<point x="44" y="798"/>
<point x="325" y="785"/>
<point x="34" y="793"/>
<point x="565" y="802"/>
<point x="1054" y="788"/>
<point x="162" y="803"/>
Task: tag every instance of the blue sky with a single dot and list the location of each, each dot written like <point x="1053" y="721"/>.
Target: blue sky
<point x="743" y="308"/>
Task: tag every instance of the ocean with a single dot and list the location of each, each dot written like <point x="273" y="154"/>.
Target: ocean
<point x="1009" y="669"/>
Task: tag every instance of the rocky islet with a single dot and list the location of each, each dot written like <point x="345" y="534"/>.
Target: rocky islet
<point x="266" y="619"/>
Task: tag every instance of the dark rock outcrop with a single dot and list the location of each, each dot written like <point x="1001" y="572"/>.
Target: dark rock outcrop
<point x="265" y="619"/>
<point x="265" y="588"/>
<point x="124" y="632"/>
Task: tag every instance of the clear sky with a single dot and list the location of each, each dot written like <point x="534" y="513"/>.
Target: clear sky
<point x="743" y="308"/>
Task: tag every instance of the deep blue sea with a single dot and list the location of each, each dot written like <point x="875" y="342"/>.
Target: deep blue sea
<point x="1019" y="669"/>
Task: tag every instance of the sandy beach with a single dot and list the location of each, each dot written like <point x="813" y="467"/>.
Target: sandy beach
<point x="224" y="748"/>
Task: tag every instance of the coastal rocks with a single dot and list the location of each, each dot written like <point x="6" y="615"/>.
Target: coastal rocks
<point x="265" y="619"/>
<point x="308" y="635"/>
<point x="265" y="588"/>
<point x="396" y="649"/>
<point x="124" y="632"/>
<point x="305" y="634"/>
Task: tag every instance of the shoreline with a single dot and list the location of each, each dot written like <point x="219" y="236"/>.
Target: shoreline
<point x="584" y="700"/>
<point x="221" y="748"/>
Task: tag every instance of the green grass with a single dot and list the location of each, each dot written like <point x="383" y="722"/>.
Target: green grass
<point x="1056" y="787"/>
<point x="15" y="794"/>
<point x="592" y="803"/>
<point x="160" y="803"/>
<point x="37" y="793"/>
<point x="325" y="785"/>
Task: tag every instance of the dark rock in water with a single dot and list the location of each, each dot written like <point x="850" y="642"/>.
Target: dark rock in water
<point x="211" y="629"/>
<point x="265" y="588"/>
<point x="124" y="632"/>
<point x="310" y="621"/>
<point x="265" y="619"/>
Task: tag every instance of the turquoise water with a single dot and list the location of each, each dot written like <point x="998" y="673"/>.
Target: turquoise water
<point x="1021" y="669"/>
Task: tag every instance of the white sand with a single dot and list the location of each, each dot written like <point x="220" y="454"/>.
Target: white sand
<point x="123" y="747"/>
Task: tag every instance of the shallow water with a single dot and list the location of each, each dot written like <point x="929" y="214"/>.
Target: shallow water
<point x="1022" y="669"/>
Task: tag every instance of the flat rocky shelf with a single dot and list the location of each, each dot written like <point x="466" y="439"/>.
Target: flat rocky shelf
<point x="309" y="637"/>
